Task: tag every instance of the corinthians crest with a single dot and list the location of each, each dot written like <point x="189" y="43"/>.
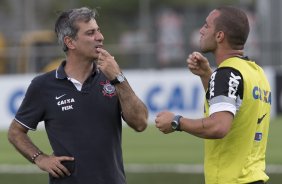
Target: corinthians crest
<point x="108" y="89"/>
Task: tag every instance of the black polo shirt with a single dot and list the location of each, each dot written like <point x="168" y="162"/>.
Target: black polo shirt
<point x="83" y="124"/>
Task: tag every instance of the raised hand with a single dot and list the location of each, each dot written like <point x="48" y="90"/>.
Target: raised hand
<point x="198" y="64"/>
<point x="107" y="64"/>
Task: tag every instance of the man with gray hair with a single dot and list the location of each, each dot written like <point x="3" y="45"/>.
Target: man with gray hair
<point x="82" y="104"/>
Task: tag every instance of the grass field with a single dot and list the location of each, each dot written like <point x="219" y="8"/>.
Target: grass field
<point x="148" y="148"/>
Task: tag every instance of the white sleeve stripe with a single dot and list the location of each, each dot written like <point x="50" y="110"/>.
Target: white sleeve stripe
<point x="222" y="99"/>
<point x="24" y="125"/>
<point x="223" y="106"/>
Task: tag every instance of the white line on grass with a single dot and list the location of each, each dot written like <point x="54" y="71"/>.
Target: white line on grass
<point x="19" y="169"/>
<point x="164" y="168"/>
<point x="133" y="168"/>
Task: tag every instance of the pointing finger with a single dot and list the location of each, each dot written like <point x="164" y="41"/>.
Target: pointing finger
<point x="65" y="158"/>
<point x="103" y="52"/>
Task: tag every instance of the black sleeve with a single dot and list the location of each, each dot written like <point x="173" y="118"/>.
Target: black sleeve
<point x="30" y="112"/>
<point x="227" y="82"/>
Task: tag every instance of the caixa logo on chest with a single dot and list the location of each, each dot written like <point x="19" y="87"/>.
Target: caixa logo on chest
<point x="262" y="94"/>
<point x="66" y="104"/>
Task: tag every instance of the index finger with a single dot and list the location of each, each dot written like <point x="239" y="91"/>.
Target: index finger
<point x="198" y="56"/>
<point x="103" y="52"/>
<point x="160" y="113"/>
<point x="65" y="158"/>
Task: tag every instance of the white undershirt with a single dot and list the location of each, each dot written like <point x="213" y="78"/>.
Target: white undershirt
<point x="76" y="83"/>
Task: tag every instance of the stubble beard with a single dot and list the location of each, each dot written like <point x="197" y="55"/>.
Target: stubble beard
<point x="206" y="48"/>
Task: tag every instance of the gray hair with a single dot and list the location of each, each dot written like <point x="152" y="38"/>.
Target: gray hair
<point x="66" y="23"/>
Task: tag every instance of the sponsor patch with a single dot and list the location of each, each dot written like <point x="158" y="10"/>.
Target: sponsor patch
<point x="258" y="136"/>
<point x="65" y="104"/>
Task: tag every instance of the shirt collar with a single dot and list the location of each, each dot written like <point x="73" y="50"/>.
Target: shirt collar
<point x="61" y="74"/>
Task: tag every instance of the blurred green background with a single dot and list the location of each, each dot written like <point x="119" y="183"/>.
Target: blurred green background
<point x="143" y="34"/>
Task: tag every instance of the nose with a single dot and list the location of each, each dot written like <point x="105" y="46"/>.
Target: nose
<point x="99" y="36"/>
<point x="201" y="30"/>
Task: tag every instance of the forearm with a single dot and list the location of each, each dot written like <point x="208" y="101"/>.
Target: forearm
<point x="196" y="127"/>
<point x="20" y="140"/>
<point x="215" y="126"/>
<point x="134" y="110"/>
<point x="205" y="79"/>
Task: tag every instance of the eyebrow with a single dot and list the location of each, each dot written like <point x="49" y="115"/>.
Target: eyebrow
<point x="93" y="29"/>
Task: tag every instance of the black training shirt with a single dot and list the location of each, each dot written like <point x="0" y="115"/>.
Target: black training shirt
<point x="84" y="124"/>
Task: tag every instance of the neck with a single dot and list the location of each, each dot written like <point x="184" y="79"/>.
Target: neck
<point x="79" y="69"/>
<point x="223" y="55"/>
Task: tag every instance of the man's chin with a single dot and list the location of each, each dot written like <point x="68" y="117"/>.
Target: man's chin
<point x="204" y="50"/>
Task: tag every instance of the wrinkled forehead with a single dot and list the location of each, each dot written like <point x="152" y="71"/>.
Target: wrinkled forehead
<point x="87" y="25"/>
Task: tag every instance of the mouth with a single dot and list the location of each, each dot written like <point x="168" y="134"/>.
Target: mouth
<point x="99" y="46"/>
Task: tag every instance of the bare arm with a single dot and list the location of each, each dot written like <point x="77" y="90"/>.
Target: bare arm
<point x="199" y="65"/>
<point x="134" y="111"/>
<point x="215" y="126"/>
<point x="17" y="136"/>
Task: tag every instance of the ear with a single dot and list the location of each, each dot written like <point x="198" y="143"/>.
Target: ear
<point x="69" y="42"/>
<point x="219" y="36"/>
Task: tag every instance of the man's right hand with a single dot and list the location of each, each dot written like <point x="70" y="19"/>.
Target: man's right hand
<point x="199" y="65"/>
<point x="53" y="165"/>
